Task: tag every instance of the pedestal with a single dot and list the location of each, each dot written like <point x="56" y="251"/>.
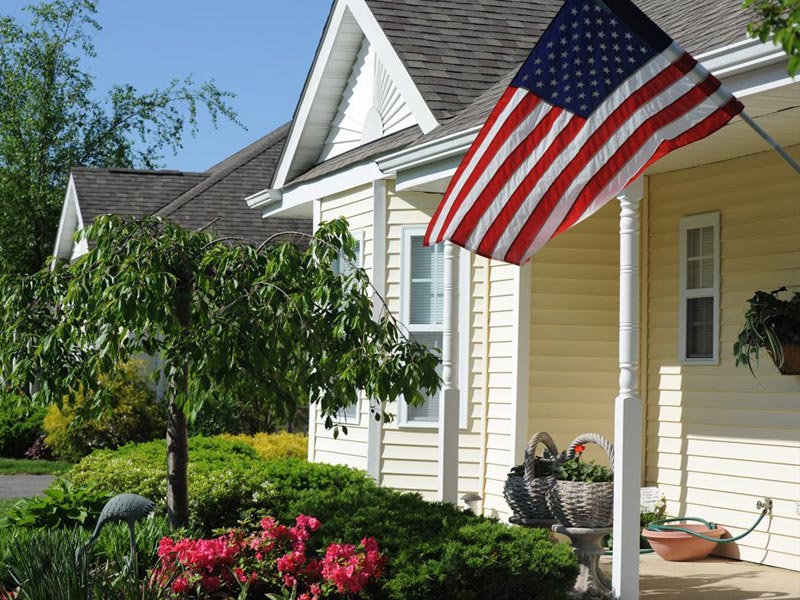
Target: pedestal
<point x="591" y="583"/>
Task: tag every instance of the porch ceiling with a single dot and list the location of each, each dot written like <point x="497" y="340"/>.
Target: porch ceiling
<point x="777" y="111"/>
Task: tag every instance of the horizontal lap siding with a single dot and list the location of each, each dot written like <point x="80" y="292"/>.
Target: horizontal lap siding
<point x="574" y="331"/>
<point x="718" y="439"/>
<point x="410" y="454"/>
<point x="503" y="300"/>
<point x="350" y="449"/>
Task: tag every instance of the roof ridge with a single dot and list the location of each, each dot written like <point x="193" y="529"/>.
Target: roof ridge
<point x="220" y="171"/>
<point x="125" y="171"/>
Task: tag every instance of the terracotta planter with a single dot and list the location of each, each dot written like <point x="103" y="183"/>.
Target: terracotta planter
<point x="679" y="546"/>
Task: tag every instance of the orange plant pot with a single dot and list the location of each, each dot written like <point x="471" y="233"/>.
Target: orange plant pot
<point x="679" y="546"/>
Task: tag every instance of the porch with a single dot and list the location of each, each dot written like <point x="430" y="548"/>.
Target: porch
<point x="711" y="579"/>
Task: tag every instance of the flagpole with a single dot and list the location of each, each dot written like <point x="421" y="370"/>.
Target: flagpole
<point x="768" y="138"/>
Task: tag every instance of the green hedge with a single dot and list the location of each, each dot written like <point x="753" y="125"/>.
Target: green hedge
<point x="434" y="549"/>
<point x="19" y="426"/>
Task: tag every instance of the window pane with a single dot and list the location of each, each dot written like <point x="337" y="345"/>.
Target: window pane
<point x="700" y="327"/>
<point x="426" y="294"/>
<point x="693" y="243"/>
<point x="428" y="412"/>
<point x="349" y="415"/>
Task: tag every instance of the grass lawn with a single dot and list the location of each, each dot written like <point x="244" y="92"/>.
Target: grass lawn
<point x="14" y="466"/>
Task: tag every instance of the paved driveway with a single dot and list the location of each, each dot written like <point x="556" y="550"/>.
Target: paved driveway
<point x="23" y="486"/>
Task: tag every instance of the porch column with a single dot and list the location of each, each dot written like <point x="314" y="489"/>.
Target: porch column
<point x="628" y="404"/>
<point x="378" y="278"/>
<point x="447" y="483"/>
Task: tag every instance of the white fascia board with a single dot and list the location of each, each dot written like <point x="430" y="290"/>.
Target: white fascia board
<point x="309" y="92"/>
<point x="455" y="144"/>
<point x="264" y="197"/>
<point x="426" y="174"/>
<point x="304" y="193"/>
<point x="395" y="67"/>
<point x="748" y="67"/>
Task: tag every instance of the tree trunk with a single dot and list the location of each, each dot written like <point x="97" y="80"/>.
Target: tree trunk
<point x="177" y="461"/>
<point x="177" y="427"/>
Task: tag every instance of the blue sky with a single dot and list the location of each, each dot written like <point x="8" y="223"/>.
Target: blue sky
<point x="259" y="49"/>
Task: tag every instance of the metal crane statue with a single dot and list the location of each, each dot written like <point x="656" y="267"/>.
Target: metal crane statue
<point x="124" y="507"/>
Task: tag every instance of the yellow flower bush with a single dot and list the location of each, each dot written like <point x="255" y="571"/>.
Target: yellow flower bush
<point x="275" y="445"/>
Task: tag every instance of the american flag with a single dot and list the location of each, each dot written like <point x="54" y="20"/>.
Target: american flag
<point x="604" y="94"/>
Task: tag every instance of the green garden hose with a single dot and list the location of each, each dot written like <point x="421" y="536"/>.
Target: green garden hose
<point x="659" y="526"/>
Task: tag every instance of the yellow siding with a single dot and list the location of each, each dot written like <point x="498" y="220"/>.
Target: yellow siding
<point x="350" y="449"/>
<point x="717" y="439"/>
<point x="503" y="298"/>
<point x="574" y="331"/>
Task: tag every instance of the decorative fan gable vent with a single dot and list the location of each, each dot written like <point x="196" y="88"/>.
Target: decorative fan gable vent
<point x="371" y="106"/>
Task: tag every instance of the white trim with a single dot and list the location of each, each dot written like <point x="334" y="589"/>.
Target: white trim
<point x="686" y="224"/>
<point x="464" y="333"/>
<point x="378" y="276"/>
<point x="454" y="144"/>
<point x="302" y="193"/>
<point x="69" y="222"/>
<point x="520" y="377"/>
<point x="405" y="298"/>
<point x="387" y="55"/>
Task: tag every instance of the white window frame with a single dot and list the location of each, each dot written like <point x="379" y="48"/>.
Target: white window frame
<point x="359" y="237"/>
<point x="686" y="224"/>
<point x="405" y="300"/>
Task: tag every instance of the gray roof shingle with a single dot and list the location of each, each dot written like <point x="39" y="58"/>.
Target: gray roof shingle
<point x="194" y="200"/>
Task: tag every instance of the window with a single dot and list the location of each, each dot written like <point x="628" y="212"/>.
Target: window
<point x="351" y="415"/>
<point x="422" y="309"/>
<point x="699" y="289"/>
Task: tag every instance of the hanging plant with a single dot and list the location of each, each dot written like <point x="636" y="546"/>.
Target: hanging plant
<point x="773" y="324"/>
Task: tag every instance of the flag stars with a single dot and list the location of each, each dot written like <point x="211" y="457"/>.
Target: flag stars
<point x="614" y="34"/>
<point x="628" y="35"/>
<point x="584" y="107"/>
<point x="550" y="44"/>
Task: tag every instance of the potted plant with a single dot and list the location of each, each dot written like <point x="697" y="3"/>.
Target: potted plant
<point x="581" y="493"/>
<point x="773" y="324"/>
<point x="526" y="485"/>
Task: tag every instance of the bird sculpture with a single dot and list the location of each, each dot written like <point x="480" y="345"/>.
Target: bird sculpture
<point x="124" y="507"/>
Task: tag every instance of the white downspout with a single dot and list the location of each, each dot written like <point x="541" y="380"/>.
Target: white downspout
<point x="628" y="404"/>
<point x="447" y="480"/>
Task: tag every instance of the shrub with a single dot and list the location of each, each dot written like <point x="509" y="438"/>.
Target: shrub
<point x="270" y="446"/>
<point x="20" y="425"/>
<point x="62" y="504"/>
<point x="132" y="416"/>
<point x="223" y="477"/>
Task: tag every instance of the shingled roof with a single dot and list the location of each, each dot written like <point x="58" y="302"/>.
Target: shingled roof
<point x="462" y="54"/>
<point x="193" y="200"/>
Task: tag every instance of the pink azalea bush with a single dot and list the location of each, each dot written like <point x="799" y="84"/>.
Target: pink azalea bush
<point x="276" y="558"/>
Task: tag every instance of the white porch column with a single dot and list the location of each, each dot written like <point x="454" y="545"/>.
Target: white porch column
<point x="628" y="405"/>
<point x="378" y="278"/>
<point x="447" y="483"/>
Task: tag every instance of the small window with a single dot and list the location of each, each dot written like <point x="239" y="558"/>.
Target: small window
<point x="350" y="415"/>
<point x="699" y="289"/>
<point x="423" y="309"/>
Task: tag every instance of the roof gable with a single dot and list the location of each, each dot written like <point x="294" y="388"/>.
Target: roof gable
<point x="354" y="61"/>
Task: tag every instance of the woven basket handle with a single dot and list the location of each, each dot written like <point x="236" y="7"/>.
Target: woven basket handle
<point x="592" y="438"/>
<point x="550" y="452"/>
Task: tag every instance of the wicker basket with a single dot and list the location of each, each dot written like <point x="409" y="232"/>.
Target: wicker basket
<point x="527" y="495"/>
<point x="579" y="503"/>
<point x="791" y="359"/>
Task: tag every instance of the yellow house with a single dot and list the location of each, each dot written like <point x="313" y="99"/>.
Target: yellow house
<point x="395" y="96"/>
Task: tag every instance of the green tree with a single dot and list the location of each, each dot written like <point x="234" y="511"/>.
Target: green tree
<point x="778" y="20"/>
<point x="222" y="316"/>
<point x="51" y="121"/>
